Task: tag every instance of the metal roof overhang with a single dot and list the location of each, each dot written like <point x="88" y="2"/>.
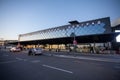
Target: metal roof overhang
<point x="98" y="38"/>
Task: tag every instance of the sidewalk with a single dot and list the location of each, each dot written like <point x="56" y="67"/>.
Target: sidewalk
<point x="86" y="56"/>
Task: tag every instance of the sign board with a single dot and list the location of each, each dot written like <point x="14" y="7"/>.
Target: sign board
<point x="74" y="42"/>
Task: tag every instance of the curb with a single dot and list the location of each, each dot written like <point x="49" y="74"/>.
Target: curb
<point x="86" y="58"/>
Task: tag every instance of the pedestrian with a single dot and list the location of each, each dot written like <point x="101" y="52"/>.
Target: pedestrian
<point x="91" y="49"/>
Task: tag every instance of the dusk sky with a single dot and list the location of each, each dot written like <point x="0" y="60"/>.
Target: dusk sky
<point x="24" y="16"/>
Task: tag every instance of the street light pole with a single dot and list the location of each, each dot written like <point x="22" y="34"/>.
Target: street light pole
<point x="74" y="23"/>
<point x="74" y="41"/>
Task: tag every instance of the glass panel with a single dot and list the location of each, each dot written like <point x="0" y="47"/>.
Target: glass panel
<point x="89" y="29"/>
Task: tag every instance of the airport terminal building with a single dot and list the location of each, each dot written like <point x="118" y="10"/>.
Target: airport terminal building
<point x="78" y="36"/>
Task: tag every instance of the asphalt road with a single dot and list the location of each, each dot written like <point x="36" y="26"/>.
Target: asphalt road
<point x="20" y="66"/>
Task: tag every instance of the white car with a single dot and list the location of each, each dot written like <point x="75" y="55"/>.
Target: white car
<point x="35" y="51"/>
<point x="15" y="49"/>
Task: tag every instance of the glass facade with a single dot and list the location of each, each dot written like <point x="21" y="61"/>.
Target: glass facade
<point x="92" y="27"/>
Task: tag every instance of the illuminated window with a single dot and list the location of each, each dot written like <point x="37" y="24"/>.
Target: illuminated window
<point x="98" y="22"/>
<point x="118" y="37"/>
<point x="87" y="24"/>
<point x="93" y="23"/>
<point x="82" y="24"/>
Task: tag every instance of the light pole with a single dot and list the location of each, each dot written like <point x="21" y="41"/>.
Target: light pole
<point x="74" y="23"/>
<point x="18" y="45"/>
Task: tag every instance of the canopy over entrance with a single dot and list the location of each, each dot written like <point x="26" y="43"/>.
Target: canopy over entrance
<point x="98" y="38"/>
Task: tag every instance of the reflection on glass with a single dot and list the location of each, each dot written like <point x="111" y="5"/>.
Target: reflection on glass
<point x="88" y="29"/>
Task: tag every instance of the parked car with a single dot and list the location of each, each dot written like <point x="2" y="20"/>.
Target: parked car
<point x="35" y="51"/>
<point x="15" y="49"/>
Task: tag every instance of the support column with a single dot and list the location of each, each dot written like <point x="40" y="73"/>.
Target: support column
<point x="57" y="50"/>
<point x="94" y="50"/>
<point x="49" y="47"/>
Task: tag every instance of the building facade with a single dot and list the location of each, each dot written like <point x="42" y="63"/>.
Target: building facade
<point x="98" y="26"/>
<point x="116" y="42"/>
<point x="87" y="34"/>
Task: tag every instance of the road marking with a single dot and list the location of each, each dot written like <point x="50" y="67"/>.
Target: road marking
<point x="24" y="59"/>
<point x="21" y="59"/>
<point x="57" y="69"/>
<point x="8" y="62"/>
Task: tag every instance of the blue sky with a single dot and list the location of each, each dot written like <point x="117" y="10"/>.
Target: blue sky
<point x="23" y="16"/>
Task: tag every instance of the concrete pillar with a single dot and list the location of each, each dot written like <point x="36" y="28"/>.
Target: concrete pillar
<point x="94" y="50"/>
